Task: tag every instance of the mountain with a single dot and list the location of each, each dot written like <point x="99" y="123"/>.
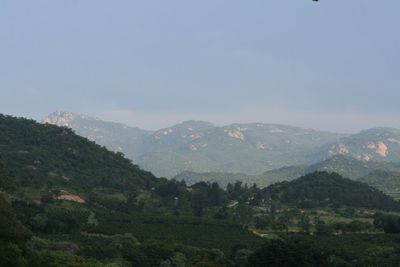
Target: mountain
<point x="386" y="181"/>
<point x="115" y="136"/>
<point x="377" y="144"/>
<point x="44" y="154"/>
<point x="346" y="166"/>
<point x="330" y="189"/>
<point x="245" y="152"/>
<point x="200" y="146"/>
<point x="261" y="180"/>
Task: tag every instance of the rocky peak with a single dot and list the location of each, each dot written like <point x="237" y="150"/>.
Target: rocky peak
<point x="60" y="118"/>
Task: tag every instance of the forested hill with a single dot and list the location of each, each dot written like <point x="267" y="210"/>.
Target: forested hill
<point x="37" y="154"/>
<point x="385" y="180"/>
<point x="330" y="189"/>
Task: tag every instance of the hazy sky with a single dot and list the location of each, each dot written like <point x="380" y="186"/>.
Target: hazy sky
<point x="332" y="64"/>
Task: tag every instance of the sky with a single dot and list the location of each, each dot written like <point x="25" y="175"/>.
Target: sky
<point x="332" y="65"/>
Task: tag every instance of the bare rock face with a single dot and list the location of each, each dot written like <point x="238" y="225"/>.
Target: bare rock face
<point x="338" y="149"/>
<point x="382" y="149"/>
<point x="379" y="148"/>
<point x="60" y="118"/>
<point x="237" y="133"/>
<point x="64" y="195"/>
<point x="375" y="144"/>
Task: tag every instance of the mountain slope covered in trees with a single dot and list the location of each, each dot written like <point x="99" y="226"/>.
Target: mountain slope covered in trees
<point x="330" y="189"/>
<point x="44" y="154"/>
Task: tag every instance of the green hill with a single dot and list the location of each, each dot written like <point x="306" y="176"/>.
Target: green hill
<point x="43" y="154"/>
<point x="115" y="136"/>
<point x="386" y="181"/>
<point x="330" y="189"/>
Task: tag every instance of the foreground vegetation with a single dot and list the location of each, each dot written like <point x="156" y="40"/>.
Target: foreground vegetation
<point x="65" y="201"/>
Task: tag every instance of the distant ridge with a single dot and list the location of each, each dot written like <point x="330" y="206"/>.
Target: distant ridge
<point x="114" y="136"/>
<point x="251" y="148"/>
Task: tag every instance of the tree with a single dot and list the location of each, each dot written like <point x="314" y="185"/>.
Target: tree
<point x="216" y="195"/>
<point x="199" y="199"/>
<point x="241" y="257"/>
<point x="322" y="228"/>
<point x="288" y="254"/>
<point x="262" y="222"/>
<point x="1" y="163"/>
<point x="305" y="223"/>
<point x="13" y="237"/>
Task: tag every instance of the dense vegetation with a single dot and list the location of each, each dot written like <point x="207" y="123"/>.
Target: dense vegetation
<point x="385" y="180"/>
<point x="13" y="237"/>
<point x="38" y="154"/>
<point x="330" y="189"/>
<point x="65" y="201"/>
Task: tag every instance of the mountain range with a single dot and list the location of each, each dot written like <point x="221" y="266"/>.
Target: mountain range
<point x="382" y="175"/>
<point x="251" y="149"/>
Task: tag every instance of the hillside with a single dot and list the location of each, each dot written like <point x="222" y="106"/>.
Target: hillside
<point x="43" y="154"/>
<point x="346" y="166"/>
<point x="386" y="181"/>
<point x="199" y="146"/>
<point x="330" y="189"/>
<point x="115" y="136"/>
<point x="343" y="165"/>
<point x="66" y="201"/>
<point x="377" y="144"/>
